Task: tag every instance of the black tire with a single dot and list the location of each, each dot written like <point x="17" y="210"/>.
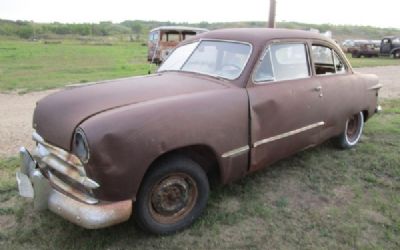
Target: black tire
<point x="172" y="196"/>
<point x="355" y="55"/>
<point x="396" y="54"/>
<point x="352" y="133"/>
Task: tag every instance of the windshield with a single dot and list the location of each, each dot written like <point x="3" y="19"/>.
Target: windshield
<point x="215" y="58"/>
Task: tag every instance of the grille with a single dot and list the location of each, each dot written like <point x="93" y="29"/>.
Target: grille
<point x="64" y="171"/>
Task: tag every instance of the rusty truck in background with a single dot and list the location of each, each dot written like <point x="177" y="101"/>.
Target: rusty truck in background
<point x="390" y="46"/>
<point x="164" y="39"/>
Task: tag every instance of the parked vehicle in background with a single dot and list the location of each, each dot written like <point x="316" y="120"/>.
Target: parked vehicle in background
<point x="390" y="46"/>
<point x="224" y="104"/>
<point x="349" y="45"/>
<point x="346" y="44"/>
<point x="163" y="40"/>
<point x="365" y="49"/>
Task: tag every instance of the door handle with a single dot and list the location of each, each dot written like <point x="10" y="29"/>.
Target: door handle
<point x="319" y="88"/>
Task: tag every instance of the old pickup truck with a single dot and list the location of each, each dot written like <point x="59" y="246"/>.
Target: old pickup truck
<point x="224" y="104"/>
<point x="390" y="46"/>
<point x="164" y="39"/>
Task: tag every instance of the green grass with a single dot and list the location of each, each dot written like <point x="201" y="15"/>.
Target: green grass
<point x="30" y="66"/>
<point x="372" y="62"/>
<point x="322" y="198"/>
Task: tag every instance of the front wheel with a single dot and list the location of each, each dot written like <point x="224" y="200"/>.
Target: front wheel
<point x="173" y="194"/>
<point x="352" y="133"/>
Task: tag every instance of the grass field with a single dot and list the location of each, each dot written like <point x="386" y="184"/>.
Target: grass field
<point x="31" y="66"/>
<point x="372" y="62"/>
<point x="322" y="198"/>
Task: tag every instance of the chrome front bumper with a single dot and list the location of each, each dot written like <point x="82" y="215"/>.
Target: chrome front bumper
<point x="41" y="178"/>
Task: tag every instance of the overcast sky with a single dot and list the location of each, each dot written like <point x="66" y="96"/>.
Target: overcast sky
<point x="382" y="13"/>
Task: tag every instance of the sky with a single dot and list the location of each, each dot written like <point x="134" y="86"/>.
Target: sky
<point x="382" y="13"/>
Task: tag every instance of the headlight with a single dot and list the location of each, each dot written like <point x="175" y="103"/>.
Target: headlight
<point x="80" y="146"/>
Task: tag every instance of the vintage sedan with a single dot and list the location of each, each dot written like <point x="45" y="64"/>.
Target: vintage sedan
<point x="224" y="104"/>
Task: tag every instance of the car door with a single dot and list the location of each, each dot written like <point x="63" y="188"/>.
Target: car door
<point x="285" y="110"/>
<point x="386" y="46"/>
<point x="339" y="88"/>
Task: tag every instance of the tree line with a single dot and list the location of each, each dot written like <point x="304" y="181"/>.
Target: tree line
<point x="136" y="28"/>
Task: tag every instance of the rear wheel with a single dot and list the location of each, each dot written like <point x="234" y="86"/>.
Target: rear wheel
<point x="352" y="133"/>
<point x="173" y="194"/>
<point x="355" y="55"/>
<point x="396" y="54"/>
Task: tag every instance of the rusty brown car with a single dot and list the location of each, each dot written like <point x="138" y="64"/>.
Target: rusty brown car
<point x="224" y="104"/>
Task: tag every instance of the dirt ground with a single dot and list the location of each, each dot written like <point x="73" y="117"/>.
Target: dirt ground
<point x="16" y="110"/>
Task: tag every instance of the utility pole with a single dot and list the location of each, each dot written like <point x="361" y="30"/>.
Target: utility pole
<point x="272" y="14"/>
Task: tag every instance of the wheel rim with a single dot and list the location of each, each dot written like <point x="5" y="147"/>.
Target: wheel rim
<point x="172" y="198"/>
<point x="353" y="128"/>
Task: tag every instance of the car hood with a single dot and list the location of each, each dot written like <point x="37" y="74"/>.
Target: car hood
<point x="57" y="116"/>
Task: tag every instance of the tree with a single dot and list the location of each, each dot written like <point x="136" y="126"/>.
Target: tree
<point x="25" y="32"/>
<point x="136" y="29"/>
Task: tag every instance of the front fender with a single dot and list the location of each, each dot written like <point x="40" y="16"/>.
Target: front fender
<point x="124" y="142"/>
<point x="394" y="50"/>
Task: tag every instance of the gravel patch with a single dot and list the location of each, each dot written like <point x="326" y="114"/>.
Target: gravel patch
<point x="389" y="76"/>
<point x="16" y="121"/>
<point x="16" y="110"/>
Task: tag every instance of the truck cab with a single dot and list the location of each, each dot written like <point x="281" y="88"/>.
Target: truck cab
<point x="390" y="46"/>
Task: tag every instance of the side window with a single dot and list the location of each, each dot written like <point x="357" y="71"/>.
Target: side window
<point x="283" y="62"/>
<point x="326" y="61"/>
<point x="323" y="60"/>
<point x="174" y="37"/>
<point x="339" y="65"/>
<point x="155" y="36"/>
<point x="188" y="34"/>
<point x="264" y="71"/>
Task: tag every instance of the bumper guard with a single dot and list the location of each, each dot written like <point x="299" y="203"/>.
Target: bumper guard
<point x="33" y="184"/>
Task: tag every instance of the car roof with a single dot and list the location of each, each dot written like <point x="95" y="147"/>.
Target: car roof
<point x="261" y="35"/>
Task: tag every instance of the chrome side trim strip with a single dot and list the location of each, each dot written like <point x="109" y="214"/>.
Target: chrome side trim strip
<point x="287" y="134"/>
<point x="236" y="151"/>
<point x="377" y="86"/>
